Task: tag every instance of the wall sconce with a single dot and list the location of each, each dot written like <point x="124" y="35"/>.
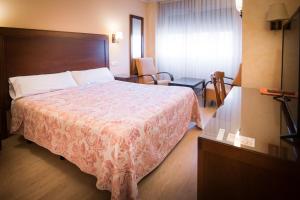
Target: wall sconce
<point x="239" y="6"/>
<point x="276" y="14"/>
<point x="117" y="37"/>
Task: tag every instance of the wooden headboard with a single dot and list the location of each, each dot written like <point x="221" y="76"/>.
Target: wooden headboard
<point x="32" y="52"/>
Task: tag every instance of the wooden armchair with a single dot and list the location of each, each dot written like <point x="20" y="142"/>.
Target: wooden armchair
<point x="148" y="73"/>
<point x="217" y="88"/>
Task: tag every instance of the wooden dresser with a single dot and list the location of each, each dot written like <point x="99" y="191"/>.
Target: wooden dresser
<point x="241" y="155"/>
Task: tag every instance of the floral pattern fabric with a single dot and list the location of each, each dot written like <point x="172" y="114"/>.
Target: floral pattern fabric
<point x="116" y="131"/>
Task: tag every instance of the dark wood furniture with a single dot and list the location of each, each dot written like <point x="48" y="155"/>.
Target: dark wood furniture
<point x="188" y="82"/>
<point x="241" y="155"/>
<point x="31" y="52"/>
<point x="217" y="79"/>
<point x="218" y="88"/>
<point x="1" y="134"/>
<point x="127" y="78"/>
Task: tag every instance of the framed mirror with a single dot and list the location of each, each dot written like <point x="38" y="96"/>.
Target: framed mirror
<point x="136" y="39"/>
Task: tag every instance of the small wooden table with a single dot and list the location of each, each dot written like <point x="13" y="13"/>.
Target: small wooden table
<point x="127" y="78"/>
<point x="188" y="82"/>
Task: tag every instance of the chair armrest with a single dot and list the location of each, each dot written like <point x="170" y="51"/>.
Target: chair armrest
<point x="229" y="84"/>
<point x="152" y="76"/>
<point x="170" y="75"/>
<point x="208" y="82"/>
<point x="228" y="78"/>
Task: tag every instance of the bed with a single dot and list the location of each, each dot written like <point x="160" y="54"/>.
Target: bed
<point x="116" y="131"/>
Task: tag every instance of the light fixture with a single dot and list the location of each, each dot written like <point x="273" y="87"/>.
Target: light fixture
<point x="276" y="14"/>
<point x="239" y="6"/>
<point x="117" y="37"/>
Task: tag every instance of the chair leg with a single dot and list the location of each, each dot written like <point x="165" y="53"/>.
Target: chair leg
<point x="215" y="114"/>
<point x="204" y="97"/>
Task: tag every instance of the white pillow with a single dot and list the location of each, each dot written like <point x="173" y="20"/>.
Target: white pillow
<point x="99" y="75"/>
<point x="21" y="86"/>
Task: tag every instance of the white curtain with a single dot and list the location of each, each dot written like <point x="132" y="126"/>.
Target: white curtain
<point x="198" y="37"/>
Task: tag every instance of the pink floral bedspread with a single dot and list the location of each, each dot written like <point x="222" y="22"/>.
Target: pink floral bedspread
<point x="117" y="131"/>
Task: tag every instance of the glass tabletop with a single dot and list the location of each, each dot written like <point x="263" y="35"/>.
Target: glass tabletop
<point x="185" y="81"/>
<point x="251" y="121"/>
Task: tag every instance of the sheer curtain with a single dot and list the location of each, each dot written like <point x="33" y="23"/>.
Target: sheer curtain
<point x="198" y="37"/>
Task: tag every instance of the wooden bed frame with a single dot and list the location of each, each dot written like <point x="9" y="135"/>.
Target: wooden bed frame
<point x="32" y="52"/>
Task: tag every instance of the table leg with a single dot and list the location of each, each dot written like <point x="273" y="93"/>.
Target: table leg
<point x="204" y="97"/>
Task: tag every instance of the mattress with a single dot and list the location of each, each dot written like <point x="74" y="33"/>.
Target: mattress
<point x="116" y="131"/>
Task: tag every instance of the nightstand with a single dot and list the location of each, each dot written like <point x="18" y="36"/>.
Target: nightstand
<point x="127" y="78"/>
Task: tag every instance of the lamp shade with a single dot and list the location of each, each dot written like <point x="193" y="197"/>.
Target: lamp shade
<point x="277" y="12"/>
<point x="119" y="35"/>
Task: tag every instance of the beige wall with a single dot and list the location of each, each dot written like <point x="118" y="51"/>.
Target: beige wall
<point x="90" y="16"/>
<point x="151" y="20"/>
<point x="261" y="46"/>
